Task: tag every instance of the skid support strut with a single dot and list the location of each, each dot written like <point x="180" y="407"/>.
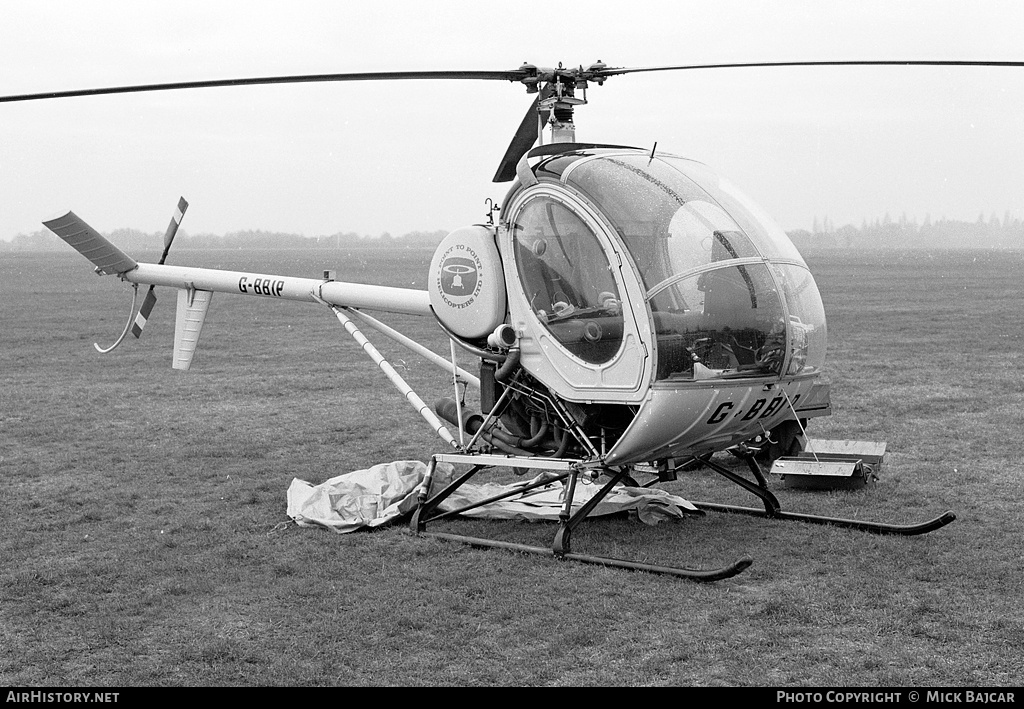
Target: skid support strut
<point x="773" y="510"/>
<point x="557" y="470"/>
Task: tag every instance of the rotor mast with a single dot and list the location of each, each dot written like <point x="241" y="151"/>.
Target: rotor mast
<point x="557" y="98"/>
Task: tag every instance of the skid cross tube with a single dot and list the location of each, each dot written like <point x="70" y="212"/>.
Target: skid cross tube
<point x="568" y="520"/>
<point x="773" y="510"/>
<point x="771" y="503"/>
<point x="427" y="504"/>
<point x="443" y="494"/>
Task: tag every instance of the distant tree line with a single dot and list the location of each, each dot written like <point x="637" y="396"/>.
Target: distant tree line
<point x="132" y="240"/>
<point x="904" y="233"/>
<point x="884" y="233"/>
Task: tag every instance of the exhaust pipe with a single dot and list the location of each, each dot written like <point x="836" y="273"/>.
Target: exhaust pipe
<point x="473" y="420"/>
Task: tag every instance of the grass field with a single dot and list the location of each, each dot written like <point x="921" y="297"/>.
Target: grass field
<point x="146" y="540"/>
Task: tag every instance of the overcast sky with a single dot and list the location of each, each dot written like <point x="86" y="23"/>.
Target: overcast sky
<point x="847" y="143"/>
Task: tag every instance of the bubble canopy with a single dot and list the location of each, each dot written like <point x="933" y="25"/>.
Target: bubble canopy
<point x="727" y="292"/>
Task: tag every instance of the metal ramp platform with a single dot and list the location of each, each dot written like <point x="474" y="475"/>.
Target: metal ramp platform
<point x="831" y="465"/>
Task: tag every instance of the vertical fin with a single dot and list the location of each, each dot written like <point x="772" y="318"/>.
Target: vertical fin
<point x="192" y="307"/>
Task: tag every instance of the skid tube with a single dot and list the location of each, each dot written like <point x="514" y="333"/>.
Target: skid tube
<point x="568" y="520"/>
<point x="773" y="510"/>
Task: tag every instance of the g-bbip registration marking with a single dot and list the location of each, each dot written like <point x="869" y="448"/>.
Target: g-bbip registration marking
<point x="261" y="286"/>
<point x="758" y="407"/>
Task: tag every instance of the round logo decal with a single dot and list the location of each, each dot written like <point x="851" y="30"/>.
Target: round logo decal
<point x="458" y="276"/>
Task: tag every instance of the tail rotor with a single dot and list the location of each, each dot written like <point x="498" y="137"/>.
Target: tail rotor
<point x="109" y="260"/>
<point x="150" y="301"/>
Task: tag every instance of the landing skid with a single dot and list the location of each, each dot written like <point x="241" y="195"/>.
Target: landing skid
<point x="773" y="510"/>
<point x="569" y="470"/>
<point x="905" y="530"/>
<point x="559" y="469"/>
<point x="692" y="574"/>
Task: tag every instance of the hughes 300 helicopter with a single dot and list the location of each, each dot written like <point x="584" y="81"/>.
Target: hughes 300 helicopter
<point x="631" y="312"/>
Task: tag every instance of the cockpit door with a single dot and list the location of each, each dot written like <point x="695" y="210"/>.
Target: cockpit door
<point x="572" y="302"/>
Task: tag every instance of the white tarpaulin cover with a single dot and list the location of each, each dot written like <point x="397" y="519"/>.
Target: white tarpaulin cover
<point x="375" y="496"/>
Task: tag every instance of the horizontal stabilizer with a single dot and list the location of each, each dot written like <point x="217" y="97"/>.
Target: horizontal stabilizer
<point x="192" y="307"/>
<point x="90" y="243"/>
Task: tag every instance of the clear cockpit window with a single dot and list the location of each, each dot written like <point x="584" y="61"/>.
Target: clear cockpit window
<point x="664" y="208"/>
<point x="568" y="280"/>
<point x="669" y="223"/>
<point x="721" y="323"/>
<point x="683" y="225"/>
<point x="806" y="318"/>
<point x="769" y="237"/>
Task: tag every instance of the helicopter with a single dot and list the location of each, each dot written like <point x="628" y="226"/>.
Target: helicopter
<point x="629" y="312"/>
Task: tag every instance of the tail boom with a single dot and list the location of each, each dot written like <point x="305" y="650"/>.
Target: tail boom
<point x="353" y="295"/>
<point x="196" y="286"/>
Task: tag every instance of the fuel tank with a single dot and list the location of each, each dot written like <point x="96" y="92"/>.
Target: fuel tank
<point x="467" y="284"/>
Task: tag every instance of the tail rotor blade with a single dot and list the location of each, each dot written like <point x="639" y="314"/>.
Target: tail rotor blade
<point x="150" y="301"/>
<point x="172" y="229"/>
<point x="144" y="311"/>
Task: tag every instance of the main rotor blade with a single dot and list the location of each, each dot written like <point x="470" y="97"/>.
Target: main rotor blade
<point x="521" y="74"/>
<point x="526" y="135"/>
<point x="513" y="75"/>
<point x="612" y="71"/>
<point x="522" y="141"/>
